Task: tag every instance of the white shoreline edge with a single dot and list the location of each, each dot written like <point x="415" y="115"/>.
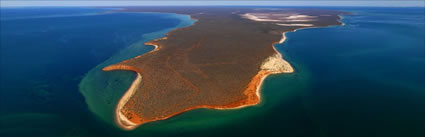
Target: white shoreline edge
<point x="120" y="118"/>
<point x="282" y="40"/>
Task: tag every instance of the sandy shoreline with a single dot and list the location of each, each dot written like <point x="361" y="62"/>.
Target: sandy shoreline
<point x="274" y="64"/>
<point x="126" y="124"/>
<point x="120" y="118"/>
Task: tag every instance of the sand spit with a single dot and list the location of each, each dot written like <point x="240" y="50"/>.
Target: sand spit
<point x="120" y="118"/>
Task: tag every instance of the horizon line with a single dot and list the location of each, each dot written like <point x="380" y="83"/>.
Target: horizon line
<point x="4" y="4"/>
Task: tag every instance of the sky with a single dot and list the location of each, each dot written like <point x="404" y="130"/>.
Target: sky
<point x="380" y="3"/>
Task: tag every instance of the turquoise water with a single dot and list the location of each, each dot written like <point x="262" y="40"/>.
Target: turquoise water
<point x="362" y="79"/>
<point x="47" y="52"/>
<point x="102" y="90"/>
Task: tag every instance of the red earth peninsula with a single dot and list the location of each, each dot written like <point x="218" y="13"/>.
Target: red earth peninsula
<point x="219" y="62"/>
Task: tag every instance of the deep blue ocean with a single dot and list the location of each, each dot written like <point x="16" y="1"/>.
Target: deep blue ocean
<point x="363" y="79"/>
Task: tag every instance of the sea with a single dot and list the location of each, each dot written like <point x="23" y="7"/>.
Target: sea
<point x="363" y="79"/>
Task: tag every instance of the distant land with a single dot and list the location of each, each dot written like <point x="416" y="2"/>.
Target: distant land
<point x="218" y="63"/>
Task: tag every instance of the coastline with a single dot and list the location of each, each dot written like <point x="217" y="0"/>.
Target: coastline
<point x="273" y="64"/>
<point x="279" y="55"/>
<point x="121" y="120"/>
<point x="254" y="85"/>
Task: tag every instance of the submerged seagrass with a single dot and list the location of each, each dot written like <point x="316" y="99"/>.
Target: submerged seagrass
<point x="219" y="62"/>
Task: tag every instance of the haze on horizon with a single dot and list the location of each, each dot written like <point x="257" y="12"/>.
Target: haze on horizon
<point x="378" y="3"/>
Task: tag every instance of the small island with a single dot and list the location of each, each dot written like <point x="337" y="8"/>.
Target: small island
<point x="219" y="62"/>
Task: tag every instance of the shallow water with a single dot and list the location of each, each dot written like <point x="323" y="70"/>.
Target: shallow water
<point x="362" y="79"/>
<point x="47" y="52"/>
